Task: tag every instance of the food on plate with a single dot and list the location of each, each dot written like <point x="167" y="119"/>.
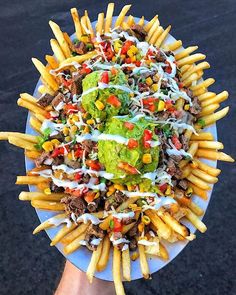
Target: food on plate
<point x="120" y="119"/>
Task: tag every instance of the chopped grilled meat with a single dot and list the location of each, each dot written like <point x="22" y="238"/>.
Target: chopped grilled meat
<point x="92" y="206"/>
<point x="189" y="92"/>
<point x="87" y="146"/>
<point x="133" y="231"/>
<point x="74" y="205"/>
<point x="39" y="161"/>
<point x="120" y="197"/>
<point x="183" y="184"/>
<point x="57" y="99"/>
<point x="127" y="220"/>
<point x="58" y="161"/>
<point x="178" y="173"/>
<point x="85" y="178"/>
<point x="195" y="109"/>
<point x="162" y="116"/>
<point x="188" y="118"/>
<point x="176" y="158"/>
<point x="76" y="85"/>
<point x="80" y="48"/>
<point x="56" y="189"/>
<point x="164" y="84"/>
<point x="93" y="232"/>
<point x="133" y="244"/>
<point x="160" y="57"/>
<point x="143" y="87"/>
<point x="111" y="202"/>
<point x="45" y="100"/>
<point x="59" y="136"/>
<point x="139" y="32"/>
<point x="185" y="142"/>
<point x="72" y="164"/>
<point x="172" y="169"/>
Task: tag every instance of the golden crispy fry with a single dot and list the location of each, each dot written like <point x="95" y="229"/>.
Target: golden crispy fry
<point x="42" y="186"/>
<point x="162" y="228"/>
<point x="212" y="155"/>
<point x="74" y="245"/>
<point x="141" y="21"/>
<point x="192" y="151"/>
<point x="52" y="62"/>
<point x="109" y="14"/>
<point x="35" y="124"/>
<point x="152" y="30"/>
<point x="27" y="137"/>
<point x="185" y="52"/>
<point x="68" y="40"/>
<point x="31" y="107"/>
<point x="28" y="97"/>
<point x="24" y="144"/>
<point x="173" y="46"/>
<point x="198" y="191"/>
<point x="211" y="119"/>
<point x="57" y="50"/>
<point x="126" y="265"/>
<point x="31" y="179"/>
<point x="196" y="221"/>
<point x="156" y="35"/>
<point x="202" y="136"/>
<point x="163" y="252"/>
<point x="122" y="15"/>
<point x="93" y="262"/>
<point x="100" y="23"/>
<point x="49" y="223"/>
<point x="42" y="89"/>
<point x="75" y="17"/>
<point x="130" y="20"/>
<point x="89" y="25"/>
<point x="127" y="227"/>
<point x="195" y="208"/>
<point x="61" y="233"/>
<point x="208" y="110"/>
<point x="193" y="78"/>
<point x="208" y="169"/>
<point x="124" y="26"/>
<point x="47" y="205"/>
<point x="103" y="259"/>
<point x="206" y="96"/>
<point x="190" y="59"/>
<point x="186" y="171"/>
<point x="216" y="99"/>
<point x="201" y="66"/>
<point x="69" y="238"/>
<point x="29" y="196"/>
<point x="150" y="23"/>
<point x="116" y="269"/>
<point x="199" y="91"/>
<point x="162" y="37"/>
<point x="60" y="38"/>
<point x="206" y="83"/>
<point x="84" y="27"/>
<point x="32" y="154"/>
<point x="143" y="262"/>
<point x="215" y="145"/>
<point x="198" y="182"/>
<point x="77" y="58"/>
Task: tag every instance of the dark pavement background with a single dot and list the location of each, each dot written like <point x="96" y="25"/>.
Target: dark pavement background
<point x="27" y="264"/>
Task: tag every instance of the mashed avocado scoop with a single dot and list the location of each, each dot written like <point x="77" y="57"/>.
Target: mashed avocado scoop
<point x="105" y="102"/>
<point x="123" y="159"/>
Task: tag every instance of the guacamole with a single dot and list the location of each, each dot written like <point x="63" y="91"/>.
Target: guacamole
<point x="96" y="103"/>
<point x="111" y="153"/>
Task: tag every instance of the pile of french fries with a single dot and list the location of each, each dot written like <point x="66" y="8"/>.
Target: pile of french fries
<point x="199" y="175"/>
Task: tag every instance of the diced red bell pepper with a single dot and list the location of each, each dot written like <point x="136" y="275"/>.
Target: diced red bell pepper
<point x="169" y="106"/>
<point x="147" y="136"/>
<point x="114" y="101"/>
<point x="168" y="68"/>
<point x="163" y="187"/>
<point x="128" y="168"/>
<point x="78" y="153"/>
<point x="70" y="108"/>
<point x="126" y="46"/>
<point x="85" y="69"/>
<point x="78" y="176"/>
<point x="105" y="77"/>
<point x="94" y="165"/>
<point x="132" y="143"/>
<point x="128" y="60"/>
<point x="117" y="225"/>
<point x="176" y="142"/>
<point x="149" y="100"/>
<point x="58" y="152"/>
<point x="109" y="54"/>
<point x="138" y="63"/>
<point x="66" y="83"/>
<point x="114" y="71"/>
<point x="89" y="197"/>
<point x="152" y="108"/>
<point x="129" y="125"/>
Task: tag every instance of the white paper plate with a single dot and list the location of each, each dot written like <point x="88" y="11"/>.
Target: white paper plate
<point x="82" y="256"/>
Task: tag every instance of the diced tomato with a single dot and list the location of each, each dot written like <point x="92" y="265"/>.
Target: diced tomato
<point x="58" y="152"/>
<point x="70" y="108"/>
<point x="169" y="105"/>
<point x="163" y="187"/>
<point x="149" y="100"/>
<point x="113" y="71"/>
<point x="89" y="197"/>
<point x="147" y="136"/>
<point x="75" y="193"/>
<point x="48" y="116"/>
<point x="94" y="165"/>
<point x="105" y="77"/>
<point x="128" y="168"/>
<point x="78" y="176"/>
<point x="176" y="142"/>
<point x="126" y="46"/>
<point x="128" y="60"/>
<point x="109" y="54"/>
<point x="138" y="63"/>
<point x="132" y="143"/>
<point x="168" y="68"/>
<point x="114" y="101"/>
<point x="117" y="225"/>
<point x="85" y="69"/>
<point x="181" y="85"/>
<point x="66" y="83"/>
<point x="129" y="125"/>
<point x="78" y="153"/>
<point x="152" y="108"/>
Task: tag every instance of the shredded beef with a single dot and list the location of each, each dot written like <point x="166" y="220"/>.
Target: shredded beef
<point x="143" y="87"/>
<point x="87" y="146"/>
<point x="58" y="161"/>
<point x="93" y="232"/>
<point x="85" y="178"/>
<point x="133" y="231"/>
<point x="160" y="57"/>
<point x="72" y="164"/>
<point x="188" y="118"/>
<point x="59" y="136"/>
<point x="76" y="86"/>
<point x="74" y="205"/>
<point x="139" y="32"/>
<point x="133" y="244"/>
<point x="172" y="169"/>
<point x="80" y="48"/>
<point x="45" y="100"/>
<point x="120" y="197"/>
<point x="195" y="109"/>
<point x="57" y="99"/>
<point x="176" y="158"/>
<point x="92" y="206"/>
<point x="39" y="161"/>
<point x="117" y="236"/>
<point x="185" y="142"/>
<point x="127" y="220"/>
<point x="56" y="189"/>
<point x="110" y="202"/>
<point x="183" y="184"/>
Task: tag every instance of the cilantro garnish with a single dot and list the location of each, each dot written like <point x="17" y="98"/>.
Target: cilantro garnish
<point x="167" y="130"/>
<point x="43" y="138"/>
<point x="201" y="122"/>
<point x="111" y="224"/>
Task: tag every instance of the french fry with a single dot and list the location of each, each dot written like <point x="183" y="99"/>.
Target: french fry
<point x="45" y="74"/>
<point x="28" y="97"/>
<point x="216" y="99"/>
<point x="143" y="262"/>
<point x="199" y="67"/>
<point x="57" y="50"/>
<point x="75" y="17"/>
<point x="103" y="259"/>
<point x="29" y="196"/>
<point x="93" y="262"/>
<point x="185" y="52"/>
<point x="186" y="171"/>
<point x="153" y="249"/>
<point x="70" y="237"/>
<point x="173" y="223"/>
<point x="163" y="229"/>
<point x="122" y="15"/>
<point x="116" y="269"/>
<point x="211" y="119"/>
<point x="141" y="21"/>
<point x="109" y="14"/>
<point x="60" y="38"/>
<point x="84" y="27"/>
<point x="27" y="137"/>
<point x="130" y="20"/>
<point x="208" y="110"/>
<point x="31" y="107"/>
<point x="204" y="84"/>
<point x="192" y="151"/>
<point x="196" y="221"/>
<point x="47" y="205"/>
<point x="152" y="30"/>
<point x="127" y="227"/>
<point x="68" y="40"/>
<point x="185" y="68"/>
<point x="207" y="168"/>
<point x="191" y="59"/>
<point x="24" y="144"/>
<point x="32" y="154"/>
<point x="51" y="61"/>
<point x="35" y="124"/>
<point x="198" y="191"/>
<point x="199" y="92"/>
<point x="215" y="145"/>
<point x="163" y="36"/>
<point x="89" y="25"/>
<point x="156" y="35"/>
<point x="173" y="46"/>
<point x="150" y="23"/>
<point x="206" y="96"/>
<point x="195" y="208"/>
<point x="126" y="265"/>
<point x="71" y="247"/>
<point x="198" y="182"/>
<point x="212" y="155"/>
<point x="100" y="23"/>
<point x="61" y="233"/>
<point x="42" y="89"/>
<point x="163" y="252"/>
<point x="193" y="78"/>
<point x="77" y="58"/>
<point x="30" y="180"/>
<point x="202" y="136"/>
<point x="48" y="223"/>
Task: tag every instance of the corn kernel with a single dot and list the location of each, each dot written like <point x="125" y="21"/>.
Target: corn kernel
<point x="90" y="122"/>
<point x="154" y="87"/>
<point x="149" y="81"/>
<point x="161" y="105"/>
<point x="97" y="195"/>
<point x="55" y="142"/>
<point x="73" y="129"/>
<point x="156" y="77"/>
<point x="132" y="51"/>
<point x="189" y="191"/>
<point x="84" y="38"/>
<point x="47" y="146"/>
<point x="148" y="62"/>
<point x="70" y="156"/>
<point x="86" y="129"/>
<point x="111" y="189"/>
<point x="131" y="94"/>
<point x="168" y="190"/>
<point x="194" y="164"/>
<point x="109" y="193"/>
<point x="65" y="131"/>
<point x="117" y="45"/>
<point x="130" y="187"/>
<point x="47" y="191"/>
<point x="75" y="118"/>
<point x="133" y="58"/>
<point x="187" y="107"/>
<point x="134" y="256"/>
<point x="100" y="106"/>
<point x="141" y="227"/>
<point x="133" y="206"/>
<point x="113" y="59"/>
<point x="119" y="187"/>
<point x="146" y="220"/>
<point x="122" y="56"/>
<point x="147" y="159"/>
<point x="67" y="138"/>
